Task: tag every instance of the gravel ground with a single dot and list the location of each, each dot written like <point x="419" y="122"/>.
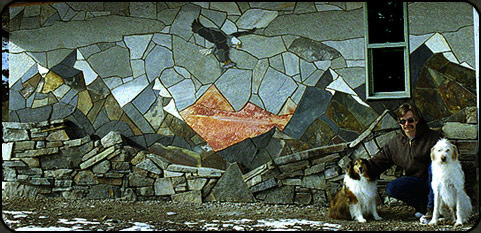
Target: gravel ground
<point x="59" y="214"/>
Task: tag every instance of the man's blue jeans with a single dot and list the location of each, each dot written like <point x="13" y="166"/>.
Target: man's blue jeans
<point x="413" y="191"/>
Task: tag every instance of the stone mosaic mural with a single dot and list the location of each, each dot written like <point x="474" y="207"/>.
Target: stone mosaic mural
<point x="298" y="80"/>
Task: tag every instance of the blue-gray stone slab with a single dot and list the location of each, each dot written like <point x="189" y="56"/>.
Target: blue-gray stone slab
<point x="62" y="111"/>
<point x="312" y="105"/>
<point x="35" y="114"/>
<point x="145" y="99"/>
<point x="242" y="152"/>
<point x="16" y="100"/>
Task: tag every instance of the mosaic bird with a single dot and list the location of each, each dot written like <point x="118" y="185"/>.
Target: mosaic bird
<point x="222" y="42"/>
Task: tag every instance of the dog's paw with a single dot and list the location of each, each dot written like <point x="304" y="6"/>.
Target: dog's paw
<point x="361" y="220"/>
<point x="432" y="223"/>
<point x="458" y="223"/>
<point x="423" y="220"/>
<point x="378" y="218"/>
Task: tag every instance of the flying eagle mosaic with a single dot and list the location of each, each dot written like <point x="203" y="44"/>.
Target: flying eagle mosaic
<point x="222" y="42"/>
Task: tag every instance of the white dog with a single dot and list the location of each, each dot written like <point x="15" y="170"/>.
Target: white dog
<point x="448" y="184"/>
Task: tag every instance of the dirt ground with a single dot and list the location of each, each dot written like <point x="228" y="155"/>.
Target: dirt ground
<point x="165" y="215"/>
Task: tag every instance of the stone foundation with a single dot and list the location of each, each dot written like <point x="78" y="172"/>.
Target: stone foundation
<point x="42" y="159"/>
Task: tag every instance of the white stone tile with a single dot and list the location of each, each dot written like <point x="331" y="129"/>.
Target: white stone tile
<point x="416" y="41"/>
<point x="340" y="85"/>
<point x="160" y="87"/>
<point x="451" y="57"/>
<point x="88" y="72"/>
<point x="170" y="108"/>
<point x="19" y="65"/>
<point x="7" y="149"/>
<point x="128" y="91"/>
<point x="465" y="64"/>
<point x="42" y="70"/>
<point x="438" y="44"/>
<point x="355" y="63"/>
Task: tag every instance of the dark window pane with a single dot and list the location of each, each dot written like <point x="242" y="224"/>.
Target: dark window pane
<point x="388" y="69"/>
<point x="385" y="22"/>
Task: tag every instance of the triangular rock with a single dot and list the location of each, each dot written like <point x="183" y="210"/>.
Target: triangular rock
<point x="231" y="187"/>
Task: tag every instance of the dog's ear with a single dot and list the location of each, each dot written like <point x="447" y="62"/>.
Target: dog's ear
<point x="432" y="153"/>
<point x="455" y="153"/>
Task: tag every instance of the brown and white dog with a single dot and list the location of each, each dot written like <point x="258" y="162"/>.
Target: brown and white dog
<point x="448" y="184"/>
<point x="358" y="195"/>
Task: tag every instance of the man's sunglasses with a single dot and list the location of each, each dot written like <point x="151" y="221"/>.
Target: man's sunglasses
<point x="410" y="121"/>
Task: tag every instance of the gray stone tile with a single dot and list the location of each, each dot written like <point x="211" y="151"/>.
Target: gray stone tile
<point x="111" y="62"/>
<point x="275" y="89"/>
<point x="261" y="46"/>
<point x="137" y="44"/>
<point x="183" y="20"/>
<point x="143" y="9"/>
<point x="102" y="29"/>
<point x="120" y="126"/>
<point x="35" y="114"/>
<point x="163" y="39"/>
<point x="329" y="25"/>
<point x="235" y="85"/>
<point x="256" y="18"/>
<point x="157" y="60"/>
<point x="205" y="68"/>
<point x="291" y="63"/>
<point x="216" y="17"/>
<point x="183" y="94"/>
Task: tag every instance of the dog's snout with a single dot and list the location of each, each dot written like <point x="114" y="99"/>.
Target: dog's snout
<point x="443" y="158"/>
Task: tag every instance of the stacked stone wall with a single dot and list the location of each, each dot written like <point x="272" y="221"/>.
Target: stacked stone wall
<point x="42" y="159"/>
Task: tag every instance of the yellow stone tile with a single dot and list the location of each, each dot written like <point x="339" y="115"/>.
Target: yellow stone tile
<point x="40" y="103"/>
<point x="84" y="102"/>
<point x="52" y="81"/>
<point x="113" y="108"/>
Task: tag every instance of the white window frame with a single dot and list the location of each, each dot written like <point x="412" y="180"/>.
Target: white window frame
<point x="370" y="94"/>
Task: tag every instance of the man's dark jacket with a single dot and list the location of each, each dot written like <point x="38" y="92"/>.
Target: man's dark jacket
<point x="413" y="157"/>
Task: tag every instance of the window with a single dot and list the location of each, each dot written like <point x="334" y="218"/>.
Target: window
<point x="387" y="53"/>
